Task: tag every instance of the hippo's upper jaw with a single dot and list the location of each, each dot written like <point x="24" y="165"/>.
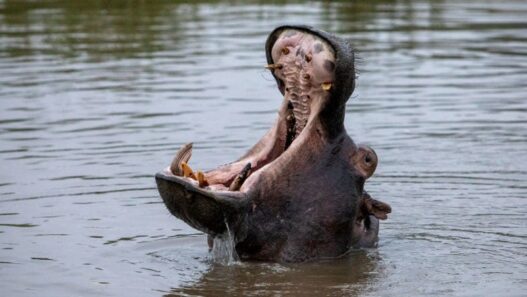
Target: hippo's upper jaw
<point x="298" y="193"/>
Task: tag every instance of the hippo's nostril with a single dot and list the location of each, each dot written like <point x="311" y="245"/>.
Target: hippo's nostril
<point x="308" y="58"/>
<point x="307" y="76"/>
<point x="285" y="51"/>
<point x="368" y="158"/>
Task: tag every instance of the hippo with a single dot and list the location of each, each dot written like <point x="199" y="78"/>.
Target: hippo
<point x="298" y="193"/>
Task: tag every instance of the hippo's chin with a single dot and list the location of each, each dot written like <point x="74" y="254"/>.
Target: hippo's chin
<point x="298" y="193"/>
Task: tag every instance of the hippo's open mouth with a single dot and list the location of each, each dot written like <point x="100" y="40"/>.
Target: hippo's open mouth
<point x="304" y="66"/>
<point x="306" y="161"/>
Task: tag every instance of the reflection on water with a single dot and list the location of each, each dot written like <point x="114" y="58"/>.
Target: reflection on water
<point x="345" y="277"/>
<point x="96" y="96"/>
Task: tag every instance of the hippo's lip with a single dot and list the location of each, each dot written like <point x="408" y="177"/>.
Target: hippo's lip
<point x="304" y="66"/>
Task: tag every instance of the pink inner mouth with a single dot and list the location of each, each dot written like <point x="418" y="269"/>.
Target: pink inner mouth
<point x="305" y="65"/>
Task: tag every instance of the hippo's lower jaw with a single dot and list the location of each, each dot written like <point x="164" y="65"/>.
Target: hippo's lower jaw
<point x="298" y="193"/>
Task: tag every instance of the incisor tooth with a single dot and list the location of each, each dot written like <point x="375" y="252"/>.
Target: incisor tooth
<point x="187" y="171"/>
<point x="201" y="179"/>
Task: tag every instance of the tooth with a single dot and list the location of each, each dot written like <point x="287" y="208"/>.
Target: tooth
<point x="274" y="66"/>
<point x="327" y="86"/>
<point x="182" y="156"/>
<point x="201" y="179"/>
<point x="187" y="171"/>
<point x="240" y="178"/>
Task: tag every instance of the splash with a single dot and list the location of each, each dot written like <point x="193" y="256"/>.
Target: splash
<point x="223" y="250"/>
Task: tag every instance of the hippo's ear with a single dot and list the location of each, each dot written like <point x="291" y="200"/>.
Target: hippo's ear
<point x="376" y="208"/>
<point x="207" y="211"/>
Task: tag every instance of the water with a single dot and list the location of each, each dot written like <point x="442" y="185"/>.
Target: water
<point x="96" y="96"/>
<point x="224" y="248"/>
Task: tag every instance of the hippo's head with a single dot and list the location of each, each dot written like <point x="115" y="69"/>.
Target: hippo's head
<point x="299" y="193"/>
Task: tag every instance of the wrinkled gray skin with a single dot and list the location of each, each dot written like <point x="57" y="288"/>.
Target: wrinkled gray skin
<point x="303" y="201"/>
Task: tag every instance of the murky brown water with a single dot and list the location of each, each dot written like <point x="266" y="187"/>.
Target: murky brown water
<point x="96" y="96"/>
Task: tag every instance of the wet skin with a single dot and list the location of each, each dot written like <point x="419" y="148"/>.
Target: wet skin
<point x="298" y="194"/>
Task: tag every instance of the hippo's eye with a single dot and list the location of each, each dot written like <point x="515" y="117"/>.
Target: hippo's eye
<point x="367" y="159"/>
<point x="285" y="51"/>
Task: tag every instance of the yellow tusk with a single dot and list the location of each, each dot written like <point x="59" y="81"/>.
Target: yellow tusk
<point x="327" y="86"/>
<point x="201" y="179"/>
<point x="240" y="178"/>
<point x="187" y="171"/>
<point x="274" y="66"/>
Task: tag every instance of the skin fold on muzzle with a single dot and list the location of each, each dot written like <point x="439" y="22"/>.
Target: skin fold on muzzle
<point x="298" y="194"/>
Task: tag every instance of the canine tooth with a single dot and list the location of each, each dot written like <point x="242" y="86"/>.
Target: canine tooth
<point x="274" y="66"/>
<point x="240" y="178"/>
<point x="202" y="181"/>
<point x="327" y="86"/>
<point x="182" y="156"/>
<point x="187" y="171"/>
